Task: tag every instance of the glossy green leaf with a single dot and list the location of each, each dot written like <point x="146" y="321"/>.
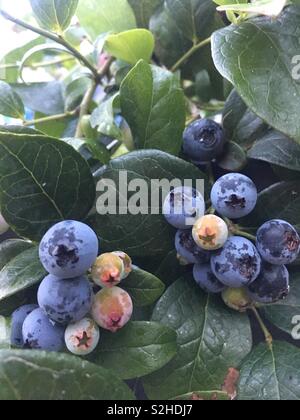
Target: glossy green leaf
<point x="280" y="201"/>
<point x="34" y="95"/>
<point x="277" y="149"/>
<point x="137" y="350"/>
<point x="140" y="234"/>
<point x="211" y="340"/>
<point x="11" y="248"/>
<point x="191" y="16"/>
<point x="143" y="10"/>
<point x="154" y="107"/>
<point x="242" y="125"/>
<point x="131" y="46"/>
<point x="20" y="273"/>
<point x="54" y="376"/>
<point x="271" y="374"/>
<point x="43" y="181"/>
<point x="100" y="16"/>
<point x="234" y="158"/>
<point x="257" y="59"/>
<point x="103" y="118"/>
<point x="11" y="104"/>
<point x="54" y="15"/>
<point x="144" y="288"/>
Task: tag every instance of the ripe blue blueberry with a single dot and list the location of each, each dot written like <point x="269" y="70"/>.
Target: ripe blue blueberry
<point x="69" y="249"/>
<point x="183" y="206"/>
<point x="278" y="242"/>
<point x="187" y="250"/>
<point x="17" y="321"/>
<point x="203" y="141"/>
<point x="272" y="284"/>
<point x="65" y="301"/>
<point x="205" y="278"/>
<point x="234" y="196"/>
<point x="40" y="333"/>
<point x="237" y="264"/>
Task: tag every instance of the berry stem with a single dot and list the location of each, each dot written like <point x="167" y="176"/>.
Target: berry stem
<point x="51" y="118"/>
<point x="267" y="334"/>
<point x="84" y="107"/>
<point x="54" y="37"/>
<point x="235" y="230"/>
<point x="190" y="52"/>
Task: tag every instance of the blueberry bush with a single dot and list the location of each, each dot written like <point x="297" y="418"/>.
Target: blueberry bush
<point x="126" y="306"/>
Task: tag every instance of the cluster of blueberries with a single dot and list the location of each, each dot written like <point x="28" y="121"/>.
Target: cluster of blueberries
<point x="71" y="308"/>
<point x="224" y="260"/>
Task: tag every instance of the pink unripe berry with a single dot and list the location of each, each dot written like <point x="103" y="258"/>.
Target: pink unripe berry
<point x="210" y="232"/>
<point x="112" y="308"/>
<point x="108" y="270"/>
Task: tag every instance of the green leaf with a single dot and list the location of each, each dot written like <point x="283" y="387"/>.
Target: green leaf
<point x="171" y="44"/>
<point x="103" y="118"/>
<point x="137" y="350"/>
<point x="141" y="234"/>
<point x="20" y="273"/>
<point x="271" y="373"/>
<point x="143" y="10"/>
<point x="144" y="288"/>
<point x="191" y="16"/>
<point x="131" y="46"/>
<point x="282" y="313"/>
<point x="242" y="125"/>
<point x="169" y="269"/>
<point x="34" y="95"/>
<point x="54" y="376"/>
<point x="75" y="92"/>
<point x="154" y="107"/>
<point x="211" y="340"/>
<point x="42" y="181"/>
<point x="54" y="15"/>
<point x="51" y="128"/>
<point x="280" y="201"/>
<point x="11" y="248"/>
<point x="11" y="104"/>
<point x="4" y="333"/>
<point x="9" y="64"/>
<point x="99" y="16"/>
<point x="38" y="50"/>
<point x="234" y="158"/>
<point x="270" y="91"/>
<point x="277" y="149"/>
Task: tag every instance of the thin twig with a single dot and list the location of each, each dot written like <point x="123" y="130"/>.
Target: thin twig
<point x="50" y="118"/>
<point x="190" y="52"/>
<point x="54" y="37"/>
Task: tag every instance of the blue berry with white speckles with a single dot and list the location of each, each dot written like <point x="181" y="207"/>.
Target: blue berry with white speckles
<point x="40" y="333"/>
<point x="65" y="301"/>
<point x="17" y="321"/>
<point x="183" y="206"/>
<point x="272" y="284"/>
<point x="206" y="279"/>
<point x="278" y="242"/>
<point x="237" y="264"/>
<point x="188" y="251"/>
<point x="234" y="196"/>
<point x="69" y="249"/>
